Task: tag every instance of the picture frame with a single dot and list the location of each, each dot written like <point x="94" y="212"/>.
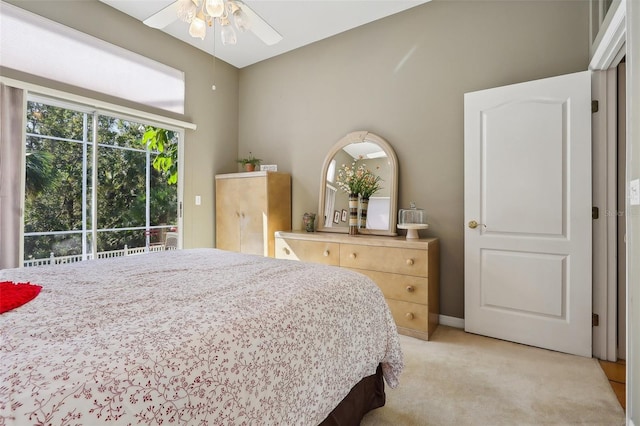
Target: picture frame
<point x="336" y="216"/>
<point x="344" y="215"/>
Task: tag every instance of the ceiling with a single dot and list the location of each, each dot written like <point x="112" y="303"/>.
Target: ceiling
<point x="300" y="22"/>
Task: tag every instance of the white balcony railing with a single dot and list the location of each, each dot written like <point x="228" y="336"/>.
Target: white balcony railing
<point x="53" y="260"/>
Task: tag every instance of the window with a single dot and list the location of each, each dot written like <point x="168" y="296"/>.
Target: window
<point x="90" y="184"/>
<point x="331" y="171"/>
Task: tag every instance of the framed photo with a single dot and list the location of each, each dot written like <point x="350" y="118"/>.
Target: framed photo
<point x="336" y="216"/>
<point x="344" y="215"/>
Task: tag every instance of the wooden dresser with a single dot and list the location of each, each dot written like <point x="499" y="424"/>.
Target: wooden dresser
<point x="250" y="207"/>
<point x="405" y="271"/>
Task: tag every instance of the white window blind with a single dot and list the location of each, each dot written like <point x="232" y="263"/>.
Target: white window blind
<point x="39" y="46"/>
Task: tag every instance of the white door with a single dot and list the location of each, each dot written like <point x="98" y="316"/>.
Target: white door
<point x="528" y="188"/>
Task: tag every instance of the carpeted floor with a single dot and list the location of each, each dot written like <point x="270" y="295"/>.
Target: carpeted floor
<point x="459" y="378"/>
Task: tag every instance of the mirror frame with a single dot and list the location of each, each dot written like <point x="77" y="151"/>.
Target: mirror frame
<point x="357" y="137"/>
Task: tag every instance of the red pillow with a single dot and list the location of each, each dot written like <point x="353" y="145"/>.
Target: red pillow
<point x="13" y="295"/>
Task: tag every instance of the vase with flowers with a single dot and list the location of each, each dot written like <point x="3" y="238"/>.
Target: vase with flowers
<point x="359" y="183"/>
<point x="370" y="184"/>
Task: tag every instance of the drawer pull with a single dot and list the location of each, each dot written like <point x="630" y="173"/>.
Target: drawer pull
<point x="409" y="262"/>
<point x="326" y="253"/>
<point x="352" y="256"/>
<point x="410" y="288"/>
<point x="285" y="250"/>
<point x="409" y="316"/>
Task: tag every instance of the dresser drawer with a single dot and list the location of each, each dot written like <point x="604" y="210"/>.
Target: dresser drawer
<point x="405" y="271"/>
<point x="308" y="251"/>
<point x="400" y="287"/>
<point x="410" y="315"/>
<point x="385" y="259"/>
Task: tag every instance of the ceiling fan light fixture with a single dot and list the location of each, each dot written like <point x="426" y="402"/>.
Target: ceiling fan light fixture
<point x="214" y="8"/>
<point x="198" y="27"/>
<point x="227" y="34"/>
<point x="240" y="18"/>
<point x="200" y="13"/>
<point x="187" y="10"/>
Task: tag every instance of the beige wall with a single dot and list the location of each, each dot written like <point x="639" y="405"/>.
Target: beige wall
<point x="403" y="78"/>
<point x="212" y="148"/>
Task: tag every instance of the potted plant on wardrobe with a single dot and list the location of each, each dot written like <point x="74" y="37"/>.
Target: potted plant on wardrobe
<point x="250" y="163"/>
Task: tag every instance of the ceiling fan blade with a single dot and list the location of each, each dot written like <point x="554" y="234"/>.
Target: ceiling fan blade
<point x="164" y="17"/>
<point x="260" y="28"/>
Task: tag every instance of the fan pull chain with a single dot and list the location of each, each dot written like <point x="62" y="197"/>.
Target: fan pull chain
<point x="213" y="87"/>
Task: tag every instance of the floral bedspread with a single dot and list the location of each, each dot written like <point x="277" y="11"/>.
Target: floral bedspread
<point x="198" y="337"/>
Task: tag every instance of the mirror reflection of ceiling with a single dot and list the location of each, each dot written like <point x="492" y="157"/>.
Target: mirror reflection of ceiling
<point x="364" y="150"/>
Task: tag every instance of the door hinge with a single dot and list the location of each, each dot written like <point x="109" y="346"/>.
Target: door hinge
<point x="595" y="106"/>
<point x="595" y="320"/>
<point x="595" y="213"/>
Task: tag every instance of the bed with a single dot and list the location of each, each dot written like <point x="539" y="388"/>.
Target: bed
<point x="199" y="336"/>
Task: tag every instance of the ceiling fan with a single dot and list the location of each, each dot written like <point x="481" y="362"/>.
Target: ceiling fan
<point x="202" y="13"/>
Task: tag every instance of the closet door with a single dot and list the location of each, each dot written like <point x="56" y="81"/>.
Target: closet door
<point x="252" y="214"/>
<point x="227" y="214"/>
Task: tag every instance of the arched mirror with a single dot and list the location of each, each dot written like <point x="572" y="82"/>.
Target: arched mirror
<point x="375" y="154"/>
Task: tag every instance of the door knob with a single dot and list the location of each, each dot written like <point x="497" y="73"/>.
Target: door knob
<point x="473" y="224"/>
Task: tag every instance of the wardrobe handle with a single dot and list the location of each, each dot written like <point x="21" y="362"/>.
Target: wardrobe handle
<point x="409" y="316"/>
<point x="409" y="262"/>
<point x="352" y="256"/>
<point x="326" y="253"/>
<point x="410" y="288"/>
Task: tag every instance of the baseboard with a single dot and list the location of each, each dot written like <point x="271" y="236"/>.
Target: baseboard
<point x="451" y="321"/>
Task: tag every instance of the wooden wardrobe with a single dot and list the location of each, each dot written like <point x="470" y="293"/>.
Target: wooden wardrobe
<point x="250" y="208"/>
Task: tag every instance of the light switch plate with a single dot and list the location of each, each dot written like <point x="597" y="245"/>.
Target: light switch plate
<point x="634" y="192"/>
<point x="198" y="200"/>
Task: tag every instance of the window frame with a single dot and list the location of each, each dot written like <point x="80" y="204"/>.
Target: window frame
<point x="34" y="93"/>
